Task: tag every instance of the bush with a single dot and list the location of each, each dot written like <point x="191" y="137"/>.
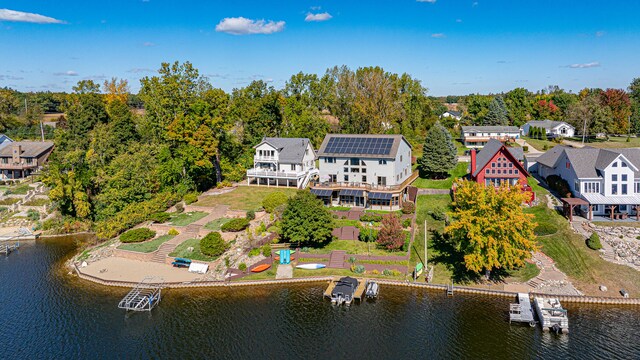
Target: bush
<point x="408" y="207"/>
<point x="190" y="198"/>
<point x="137" y="235"/>
<point x="235" y="225"/>
<point x="375" y="272"/>
<point x="545" y="229"/>
<point x="545" y="147"/>
<point x="406" y="223"/>
<point x="266" y="250"/>
<point x="525" y="148"/>
<point x="273" y="200"/>
<point x="438" y="214"/>
<point x="594" y="242"/>
<point x="254" y="252"/>
<point x="368" y="235"/>
<point x="370" y="217"/>
<point x="358" y="269"/>
<point x="213" y="244"/>
<point x="179" y="208"/>
<point x="223" y="184"/>
<point x="559" y="185"/>
<point x="386" y="272"/>
<point x="33" y="215"/>
<point x="173" y="232"/>
<point x="251" y="215"/>
<point x="160" y="217"/>
<point x="242" y="267"/>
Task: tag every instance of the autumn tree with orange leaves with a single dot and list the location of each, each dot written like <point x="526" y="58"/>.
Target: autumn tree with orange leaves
<point x="489" y="227"/>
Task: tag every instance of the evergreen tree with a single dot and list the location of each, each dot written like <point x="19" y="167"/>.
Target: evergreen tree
<point x="439" y="153"/>
<point x="497" y="114"/>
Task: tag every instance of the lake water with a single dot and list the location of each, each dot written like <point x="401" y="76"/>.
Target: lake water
<point x="46" y="314"/>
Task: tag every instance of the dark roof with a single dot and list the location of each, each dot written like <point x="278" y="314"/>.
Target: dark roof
<point x="351" y="192"/>
<point x="491" y="128"/>
<point x="321" y="192"/>
<point x="29" y="149"/>
<point x="290" y="150"/>
<point x="547" y="124"/>
<point x="371" y="146"/>
<point x="380" y="196"/>
<point x="453" y="112"/>
<point x="346" y="285"/>
<point x="489" y="151"/>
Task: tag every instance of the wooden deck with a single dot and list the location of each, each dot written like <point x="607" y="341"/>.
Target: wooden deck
<point x="362" y="287"/>
<point x="332" y="285"/>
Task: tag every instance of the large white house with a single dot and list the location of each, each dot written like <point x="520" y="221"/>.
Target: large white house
<point x="606" y="180"/>
<point x="478" y="136"/>
<point x="554" y="128"/>
<point x="283" y="162"/>
<point x="364" y="170"/>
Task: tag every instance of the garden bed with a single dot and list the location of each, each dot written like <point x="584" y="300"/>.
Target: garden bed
<point x="187" y="218"/>
<point x="196" y="254"/>
<point x="147" y="246"/>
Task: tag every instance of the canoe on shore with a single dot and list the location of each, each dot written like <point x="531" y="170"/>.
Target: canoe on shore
<point x="260" y="268"/>
<point x="311" y="266"/>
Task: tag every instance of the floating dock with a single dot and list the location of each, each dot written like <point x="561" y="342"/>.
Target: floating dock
<point x="6" y="249"/>
<point x="522" y="311"/>
<point x="359" y="292"/>
<point x="551" y="314"/>
<point x="144" y="297"/>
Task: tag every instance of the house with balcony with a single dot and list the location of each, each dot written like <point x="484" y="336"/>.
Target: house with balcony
<point x="603" y="182"/>
<point x="5" y="140"/>
<point x="288" y="162"/>
<point x="478" y="136"/>
<point x="20" y="159"/>
<point x="554" y="129"/>
<point x="370" y="171"/>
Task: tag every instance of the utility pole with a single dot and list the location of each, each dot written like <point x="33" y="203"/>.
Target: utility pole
<point x="425" y="247"/>
<point x="584" y="130"/>
<point x="41" y="130"/>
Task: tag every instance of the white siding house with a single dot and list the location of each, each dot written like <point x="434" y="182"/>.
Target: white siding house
<point x="607" y="179"/>
<point x="554" y="128"/>
<point x="364" y="170"/>
<point x="478" y="136"/>
<point x="283" y="162"/>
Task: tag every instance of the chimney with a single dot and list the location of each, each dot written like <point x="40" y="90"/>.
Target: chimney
<point x="473" y="161"/>
<point x="15" y="154"/>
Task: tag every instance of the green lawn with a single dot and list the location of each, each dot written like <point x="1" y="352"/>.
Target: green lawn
<point x="147" y="246"/>
<point x="583" y="265"/>
<point x="9" y="201"/>
<point x="345" y="222"/>
<point x="37" y="202"/>
<point x="459" y="171"/>
<point x="187" y="218"/>
<point x="268" y="274"/>
<point x="216" y="224"/>
<point x="540" y="144"/>
<point x="614" y="142"/>
<point x="181" y="251"/>
<point x="243" y="197"/>
<point x="524" y="274"/>
<point x="341" y="272"/>
<point x="355" y="247"/>
<point x="21" y="189"/>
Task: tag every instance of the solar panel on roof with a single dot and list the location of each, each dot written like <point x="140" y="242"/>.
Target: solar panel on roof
<point x="358" y="145"/>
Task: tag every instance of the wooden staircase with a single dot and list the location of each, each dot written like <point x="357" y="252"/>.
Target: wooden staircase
<point x="336" y="261"/>
<point x="189" y="232"/>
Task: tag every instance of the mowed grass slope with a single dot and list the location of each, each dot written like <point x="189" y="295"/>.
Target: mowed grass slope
<point x="459" y="171"/>
<point x="243" y="197"/>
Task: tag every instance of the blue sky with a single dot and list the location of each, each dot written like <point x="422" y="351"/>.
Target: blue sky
<point x="453" y="47"/>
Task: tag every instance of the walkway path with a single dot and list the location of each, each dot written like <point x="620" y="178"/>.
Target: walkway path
<point x="550" y="280"/>
<point x="188" y="232"/>
<point x="532" y="150"/>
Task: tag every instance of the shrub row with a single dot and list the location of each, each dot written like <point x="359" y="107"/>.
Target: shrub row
<point x="370" y="217"/>
<point x="235" y="225"/>
<point x="137" y="235"/>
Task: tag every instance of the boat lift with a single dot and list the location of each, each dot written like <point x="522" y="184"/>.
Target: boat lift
<point x="144" y="296"/>
<point x="8" y="248"/>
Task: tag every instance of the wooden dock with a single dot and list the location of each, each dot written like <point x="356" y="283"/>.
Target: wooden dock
<point x="332" y="285"/>
<point x="522" y="311"/>
<point x="360" y="290"/>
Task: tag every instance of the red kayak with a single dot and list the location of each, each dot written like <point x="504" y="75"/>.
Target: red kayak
<point x="261" y="268"/>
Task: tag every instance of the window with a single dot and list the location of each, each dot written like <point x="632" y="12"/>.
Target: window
<point x="382" y="162"/>
<point x="499" y="164"/>
<point x="637" y="187"/>
<point x="355" y="170"/>
<point x="615" y="164"/>
<point x="614" y="177"/>
<point x="623" y="207"/>
<point x="400" y="158"/>
<point x="487" y="171"/>
<point x="355" y="161"/>
<point x="510" y="171"/>
<point x="364" y="170"/>
<point x="493" y="165"/>
<point x="623" y="164"/>
<point x="568" y="165"/>
<point x="346" y="170"/>
<point x="623" y="190"/>
<point x="397" y="178"/>
<point x="614" y="189"/>
<point x="591" y="187"/>
<point x="510" y="165"/>
<point x="576" y="185"/>
<point x="330" y="160"/>
<point x="382" y="180"/>
<point x="364" y="178"/>
<point x="515" y="171"/>
<point x="333" y="178"/>
<point x="346" y="178"/>
<point x="624" y="177"/>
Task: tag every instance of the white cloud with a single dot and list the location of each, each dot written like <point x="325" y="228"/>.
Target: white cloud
<point x="66" y="73"/>
<point x="148" y="44"/>
<point x="585" y="66"/>
<point x="600" y="33"/>
<point x="427" y="1"/>
<point x="318" y="17"/>
<point x="244" y="26"/>
<point x="438" y="35"/>
<point x="19" y="16"/>
<point x="140" y="70"/>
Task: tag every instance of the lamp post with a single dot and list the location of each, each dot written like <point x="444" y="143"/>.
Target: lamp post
<point x="369" y="239"/>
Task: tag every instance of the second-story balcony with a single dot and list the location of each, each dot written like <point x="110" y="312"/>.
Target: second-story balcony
<point x="266" y="173"/>
<point x="366" y="186"/>
<point x="259" y="158"/>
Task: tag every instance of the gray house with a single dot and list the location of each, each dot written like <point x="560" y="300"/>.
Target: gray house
<point x="286" y="162"/>
<point x="479" y="136"/>
<point x="603" y="182"/>
<point x="364" y="170"/>
<point x="554" y="128"/>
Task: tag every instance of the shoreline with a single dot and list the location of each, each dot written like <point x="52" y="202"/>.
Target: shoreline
<point x="579" y="299"/>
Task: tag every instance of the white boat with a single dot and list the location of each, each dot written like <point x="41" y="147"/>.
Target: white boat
<point x="372" y="290"/>
<point x="311" y="266"/>
<point x="551" y="314"/>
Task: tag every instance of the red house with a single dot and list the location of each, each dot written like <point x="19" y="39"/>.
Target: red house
<point x="496" y="164"/>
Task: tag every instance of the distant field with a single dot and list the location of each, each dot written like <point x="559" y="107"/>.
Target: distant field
<point x="243" y="197"/>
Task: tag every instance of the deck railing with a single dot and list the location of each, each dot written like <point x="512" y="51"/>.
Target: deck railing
<point x="279" y="174"/>
<point x="356" y="185"/>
